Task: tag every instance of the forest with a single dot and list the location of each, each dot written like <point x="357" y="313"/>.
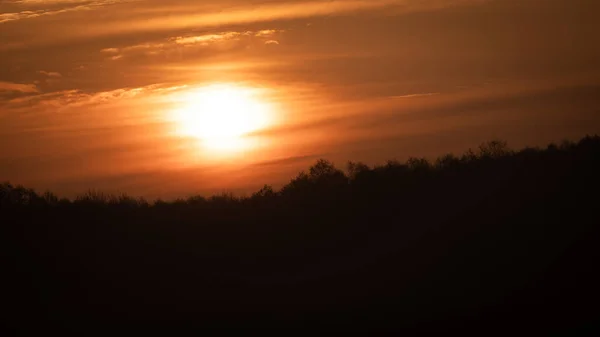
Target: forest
<point x="494" y="239"/>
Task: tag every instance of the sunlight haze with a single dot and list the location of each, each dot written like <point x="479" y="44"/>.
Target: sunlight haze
<point x="166" y="99"/>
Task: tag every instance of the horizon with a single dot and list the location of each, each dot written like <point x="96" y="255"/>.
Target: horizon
<point x="170" y="100"/>
<point x="497" y="150"/>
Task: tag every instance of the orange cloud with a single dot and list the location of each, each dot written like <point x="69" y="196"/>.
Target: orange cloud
<point x="17" y="87"/>
<point x="415" y="95"/>
<point x="76" y="98"/>
<point x="186" y="14"/>
<point x="250" y="14"/>
<point x="46" y="2"/>
<point x="110" y="50"/>
<point x="50" y="73"/>
<point x="148" y="48"/>
<point x="205" y="40"/>
<point x="77" y="5"/>
<point x="267" y="33"/>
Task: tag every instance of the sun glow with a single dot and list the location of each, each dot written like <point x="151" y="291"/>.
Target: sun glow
<point x="222" y="116"/>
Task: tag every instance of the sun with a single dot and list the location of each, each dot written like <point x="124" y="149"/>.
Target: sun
<point x="222" y="115"/>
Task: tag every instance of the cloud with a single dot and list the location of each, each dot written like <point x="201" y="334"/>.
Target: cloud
<point x="110" y="50"/>
<point x="415" y="95"/>
<point x="194" y="15"/>
<point x="6" y="17"/>
<point x="224" y="36"/>
<point x="267" y="32"/>
<point x="50" y="73"/>
<point x="143" y="46"/>
<point x="153" y="16"/>
<point x="206" y="39"/>
<point x="45" y="2"/>
<point x="76" y="5"/>
<point x="201" y="41"/>
<point x="76" y="98"/>
<point x="58" y="98"/>
<point x="17" y="87"/>
<point x="147" y="48"/>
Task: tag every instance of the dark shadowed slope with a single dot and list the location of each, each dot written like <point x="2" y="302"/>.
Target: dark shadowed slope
<point x="494" y="239"/>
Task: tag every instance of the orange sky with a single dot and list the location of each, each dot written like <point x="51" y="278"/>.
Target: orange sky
<point x="89" y="88"/>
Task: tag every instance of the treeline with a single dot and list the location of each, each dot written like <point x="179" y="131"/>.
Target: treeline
<point x="323" y="176"/>
<point x="495" y="238"/>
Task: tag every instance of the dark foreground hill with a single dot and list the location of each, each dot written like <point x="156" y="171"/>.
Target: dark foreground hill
<point x="495" y="241"/>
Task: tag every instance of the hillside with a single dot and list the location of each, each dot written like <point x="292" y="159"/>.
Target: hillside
<point x="493" y="238"/>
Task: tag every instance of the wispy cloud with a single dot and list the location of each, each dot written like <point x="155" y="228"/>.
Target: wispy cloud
<point x="144" y="48"/>
<point x="46" y="2"/>
<point x="206" y="39"/>
<point x="184" y="15"/>
<point x="17" y="87"/>
<point x="426" y="94"/>
<point x="71" y="6"/>
<point x="187" y="41"/>
<point x="267" y="32"/>
<point x="50" y="73"/>
<point x="110" y="50"/>
<point x="77" y="98"/>
<point x="241" y="15"/>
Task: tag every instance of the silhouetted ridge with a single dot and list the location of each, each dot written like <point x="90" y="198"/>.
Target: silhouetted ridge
<point x="493" y="238"/>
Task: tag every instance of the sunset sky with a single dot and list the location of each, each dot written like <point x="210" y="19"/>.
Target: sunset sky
<point x="172" y="98"/>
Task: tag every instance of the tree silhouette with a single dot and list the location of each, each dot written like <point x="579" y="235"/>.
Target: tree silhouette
<point x="494" y="149"/>
<point x="265" y="192"/>
<point x="496" y="238"/>
<point x="356" y="169"/>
